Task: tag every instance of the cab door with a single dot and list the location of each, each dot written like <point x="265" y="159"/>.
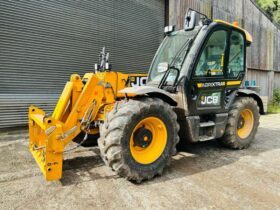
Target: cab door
<point x="236" y="65"/>
<point x="206" y="87"/>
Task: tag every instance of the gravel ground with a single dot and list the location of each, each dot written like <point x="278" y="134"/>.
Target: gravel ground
<point x="203" y="176"/>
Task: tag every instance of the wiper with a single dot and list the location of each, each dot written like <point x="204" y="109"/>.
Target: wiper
<point x="172" y="65"/>
<point x="179" y="51"/>
<point x="163" y="80"/>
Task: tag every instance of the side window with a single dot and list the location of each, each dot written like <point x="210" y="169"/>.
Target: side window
<point x="211" y="61"/>
<point x="236" y="55"/>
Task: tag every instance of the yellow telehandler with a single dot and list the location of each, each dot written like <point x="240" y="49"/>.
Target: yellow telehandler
<point x="192" y="91"/>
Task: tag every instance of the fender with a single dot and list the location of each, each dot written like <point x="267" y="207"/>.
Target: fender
<point x="151" y="91"/>
<point x="253" y="94"/>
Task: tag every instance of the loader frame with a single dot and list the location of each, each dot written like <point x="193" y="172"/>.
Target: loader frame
<point x="83" y="103"/>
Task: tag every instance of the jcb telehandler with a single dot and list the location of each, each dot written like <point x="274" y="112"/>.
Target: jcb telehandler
<point x="193" y="86"/>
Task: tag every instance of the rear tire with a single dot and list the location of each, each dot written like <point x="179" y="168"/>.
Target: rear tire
<point x="242" y="125"/>
<point x="118" y="147"/>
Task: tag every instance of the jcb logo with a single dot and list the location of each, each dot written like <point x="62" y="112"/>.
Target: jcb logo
<point x="138" y="81"/>
<point x="209" y="100"/>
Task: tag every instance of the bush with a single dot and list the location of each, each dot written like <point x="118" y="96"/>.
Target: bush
<point x="276" y="97"/>
<point x="271" y="7"/>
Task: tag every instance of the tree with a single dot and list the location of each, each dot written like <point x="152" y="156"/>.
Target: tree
<point x="272" y="7"/>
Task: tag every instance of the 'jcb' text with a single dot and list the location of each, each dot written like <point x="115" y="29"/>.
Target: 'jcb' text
<point x="209" y="100"/>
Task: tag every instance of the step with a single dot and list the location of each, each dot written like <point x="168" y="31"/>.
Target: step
<point x="206" y="124"/>
<point x="206" y="138"/>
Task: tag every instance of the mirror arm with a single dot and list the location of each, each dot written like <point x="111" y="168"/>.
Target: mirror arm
<point x="177" y="76"/>
<point x="198" y="12"/>
<point x="162" y="81"/>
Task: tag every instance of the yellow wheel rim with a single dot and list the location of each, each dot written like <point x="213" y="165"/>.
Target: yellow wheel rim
<point x="245" y="123"/>
<point x="148" y="140"/>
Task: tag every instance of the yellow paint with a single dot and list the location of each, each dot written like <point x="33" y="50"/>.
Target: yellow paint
<point x="159" y="140"/>
<point x="229" y="83"/>
<point x="247" y="34"/>
<point x="38" y="119"/>
<point x="94" y="131"/>
<point x="222" y="60"/>
<point x="63" y="101"/>
<point x="248" y="125"/>
<point x="199" y="85"/>
<point x="45" y="147"/>
<point x="233" y="82"/>
<point x="215" y="70"/>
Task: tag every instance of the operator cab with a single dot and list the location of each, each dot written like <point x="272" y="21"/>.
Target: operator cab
<point x="206" y="57"/>
<point x="205" y="48"/>
<point x="206" y="62"/>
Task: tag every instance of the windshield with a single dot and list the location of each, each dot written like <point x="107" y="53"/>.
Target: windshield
<point x="172" y="51"/>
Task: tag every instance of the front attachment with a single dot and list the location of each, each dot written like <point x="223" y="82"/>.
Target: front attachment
<point x="44" y="143"/>
<point x="82" y="105"/>
<point x="50" y="134"/>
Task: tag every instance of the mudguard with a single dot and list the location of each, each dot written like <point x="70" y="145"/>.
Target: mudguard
<point x="152" y="92"/>
<point x="253" y="94"/>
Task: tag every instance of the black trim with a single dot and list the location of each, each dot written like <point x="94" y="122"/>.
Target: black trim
<point x="241" y="73"/>
<point x="206" y="78"/>
<point x="254" y="95"/>
<point x="214" y="26"/>
<point x="166" y="13"/>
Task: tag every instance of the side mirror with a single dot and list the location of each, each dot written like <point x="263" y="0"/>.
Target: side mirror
<point x="162" y="67"/>
<point x="190" y="20"/>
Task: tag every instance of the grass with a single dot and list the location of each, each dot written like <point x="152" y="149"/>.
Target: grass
<point x="273" y="108"/>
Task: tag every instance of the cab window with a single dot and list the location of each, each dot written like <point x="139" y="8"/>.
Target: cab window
<point x="211" y="61"/>
<point x="236" y="55"/>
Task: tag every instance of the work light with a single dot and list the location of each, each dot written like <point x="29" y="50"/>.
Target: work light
<point x="169" y="29"/>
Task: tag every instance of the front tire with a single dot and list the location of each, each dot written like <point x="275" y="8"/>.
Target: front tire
<point x="243" y="123"/>
<point x="138" y="138"/>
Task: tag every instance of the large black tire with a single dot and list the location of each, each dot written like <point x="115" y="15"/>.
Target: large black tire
<point x="231" y="138"/>
<point x="116" y="131"/>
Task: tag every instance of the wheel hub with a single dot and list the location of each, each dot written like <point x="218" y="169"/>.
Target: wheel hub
<point x="245" y="123"/>
<point x="142" y="137"/>
<point x="241" y="122"/>
<point x="148" y="140"/>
